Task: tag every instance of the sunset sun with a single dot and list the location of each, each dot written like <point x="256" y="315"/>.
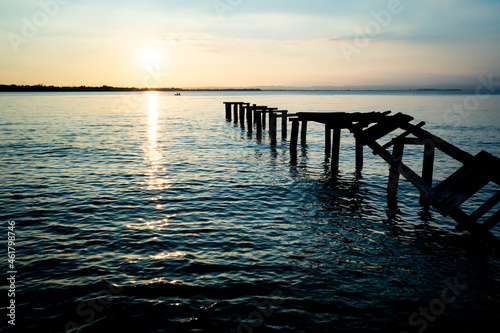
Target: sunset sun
<point x="151" y="58"/>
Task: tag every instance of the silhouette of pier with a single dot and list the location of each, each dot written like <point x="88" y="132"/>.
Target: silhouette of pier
<point x="367" y="128"/>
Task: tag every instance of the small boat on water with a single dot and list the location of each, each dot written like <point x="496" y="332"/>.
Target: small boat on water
<point x="177" y="94"/>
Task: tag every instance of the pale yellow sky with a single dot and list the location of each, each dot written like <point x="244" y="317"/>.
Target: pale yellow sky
<point x="248" y="43"/>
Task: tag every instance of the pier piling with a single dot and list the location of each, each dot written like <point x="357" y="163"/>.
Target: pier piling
<point x="335" y="149"/>
<point x="294" y="135"/>
<point x="328" y="139"/>
<point x="258" y="119"/>
<point x="359" y="155"/>
<point x="272" y="126"/>
<point x="303" y="132"/>
<point x="250" y="111"/>
<point x="284" y="124"/>
<point x="243" y="108"/>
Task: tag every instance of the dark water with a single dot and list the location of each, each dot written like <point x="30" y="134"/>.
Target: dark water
<point x="149" y="213"/>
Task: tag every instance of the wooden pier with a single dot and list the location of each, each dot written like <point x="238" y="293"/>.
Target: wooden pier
<point x="446" y="197"/>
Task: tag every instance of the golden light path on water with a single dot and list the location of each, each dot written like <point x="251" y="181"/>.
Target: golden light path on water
<point x="156" y="173"/>
<point x="152" y="151"/>
<point x="156" y="179"/>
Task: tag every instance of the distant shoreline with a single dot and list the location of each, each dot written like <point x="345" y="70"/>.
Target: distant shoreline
<point x="43" y="88"/>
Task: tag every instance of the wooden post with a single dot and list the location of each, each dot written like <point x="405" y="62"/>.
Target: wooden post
<point x="328" y="139"/>
<point x="284" y="122"/>
<point x="272" y="126"/>
<point x="336" y="149"/>
<point x="359" y="155"/>
<point x="264" y="111"/>
<point x="393" y="182"/>
<point x="242" y="114"/>
<point x="303" y="132"/>
<point x="258" y="118"/>
<point x="428" y="166"/>
<point x="236" y="112"/>
<point x="294" y="138"/>
<point x="428" y="163"/>
<point x="250" y="110"/>
<point x="228" y="111"/>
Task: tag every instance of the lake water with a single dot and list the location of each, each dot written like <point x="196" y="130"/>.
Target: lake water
<point x="148" y="212"/>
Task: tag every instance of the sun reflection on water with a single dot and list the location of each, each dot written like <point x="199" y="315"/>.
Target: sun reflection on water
<point x="155" y="181"/>
<point x="164" y="255"/>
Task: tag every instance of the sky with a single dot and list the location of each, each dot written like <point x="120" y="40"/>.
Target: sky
<point x="249" y="43"/>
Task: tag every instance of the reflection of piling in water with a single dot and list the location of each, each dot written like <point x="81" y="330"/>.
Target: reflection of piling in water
<point x="446" y="197"/>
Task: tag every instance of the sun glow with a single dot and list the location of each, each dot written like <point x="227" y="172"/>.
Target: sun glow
<point x="151" y="58"/>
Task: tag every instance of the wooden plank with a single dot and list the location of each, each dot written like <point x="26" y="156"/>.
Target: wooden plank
<point x="459" y="186"/>
<point x="388" y="125"/>
<point x="479" y="212"/>
<point x="491" y="221"/>
<point x="399" y="137"/>
<point x="449" y="149"/>
<point x="408" y="173"/>
<point x="475" y="228"/>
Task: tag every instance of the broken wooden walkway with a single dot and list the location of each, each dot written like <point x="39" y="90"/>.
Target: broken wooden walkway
<point x="446" y="197"/>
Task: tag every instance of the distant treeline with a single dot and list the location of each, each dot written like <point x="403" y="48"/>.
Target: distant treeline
<point x="41" y="87"/>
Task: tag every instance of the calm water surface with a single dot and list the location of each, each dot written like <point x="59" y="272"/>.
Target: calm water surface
<point x="146" y="212"/>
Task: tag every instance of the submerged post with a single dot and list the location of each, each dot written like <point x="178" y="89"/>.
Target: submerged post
<point x="284" y="122"/>
<point x="264" y="111"/>
<point x="236" y="112"/>
<point x="242" y="114"/>
<point x="303" y="132"/>
<point x="336" y="149"/>
<point x="328" y="139"/>
<point x="359" y="155"/>
<point x="272" y="126"/>
<point x="428" y="165"/>
<point x="228" y="110"/>
<point x="393" y="182"/>
<point x="250" y="110"/>
<point x="258" y="118"/>
<point x="294" y="138"/>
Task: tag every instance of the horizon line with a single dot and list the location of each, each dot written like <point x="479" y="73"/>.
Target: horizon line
<point x="52" y="88"/>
